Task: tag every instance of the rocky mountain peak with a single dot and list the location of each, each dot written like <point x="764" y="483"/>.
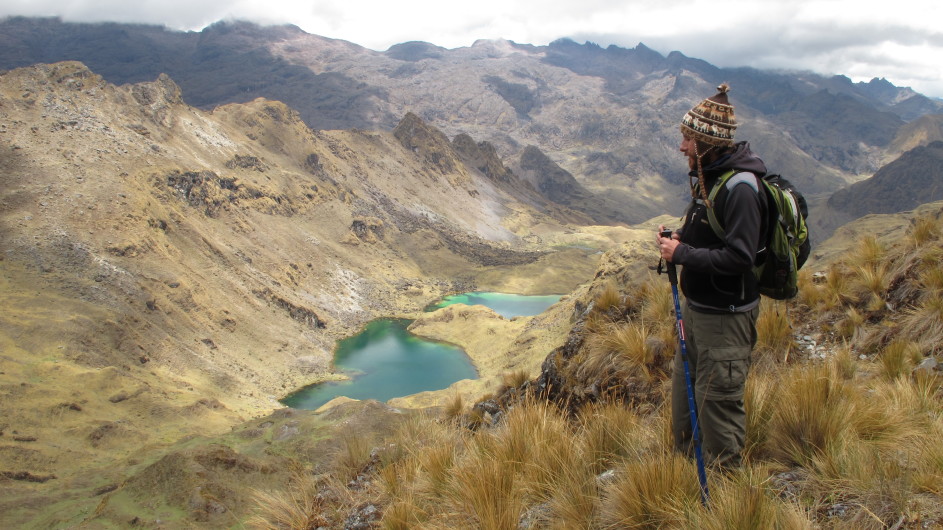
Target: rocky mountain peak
<point x="428" y="143"/>
<point x="483" y="157"/>
<point x="550" y="179"/>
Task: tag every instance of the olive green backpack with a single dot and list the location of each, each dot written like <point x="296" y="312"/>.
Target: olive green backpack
<point x="787" y="242"/>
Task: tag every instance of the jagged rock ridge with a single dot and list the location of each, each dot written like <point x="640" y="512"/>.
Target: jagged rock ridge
<point x="608" y="116"/>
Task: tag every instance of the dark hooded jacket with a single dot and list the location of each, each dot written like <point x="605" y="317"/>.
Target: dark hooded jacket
<point x="717" y="274"/>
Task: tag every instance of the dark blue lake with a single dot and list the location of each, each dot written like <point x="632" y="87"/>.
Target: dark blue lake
<point x="385" y="361"/>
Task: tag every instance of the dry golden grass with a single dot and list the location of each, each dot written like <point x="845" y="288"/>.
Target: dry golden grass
<point x="353" y="454"/>
<point x="486" y="492"/>
<point x="611" y="433"/>
<point x="404" y="514"/>
<point x="298" y="508"/>
<point x="924" y="323"/>
<point x="811" y="294"/>
<point x="924" y="230"/>
<point x="454" y="407"/>
<point x="928" y="472"/>
<point x="654" y="492"/>
<point x="760" y="396"/>
<point x="930" y="279"/>
<point x="896" y="360"/>
<point x="869" y="251"/>
<point x="656" y="303"/>
<point x="573" y="500"/>
<point x="515" y="378"/>
<point x="846" y="364"/>
<point x="812" y="413"/>
<point x="849" y="327"/>
<point x="744" y="500"/>
<point x="774" y="331"/>
<point x="835" y="288"/>
<point x="608" y="298"/>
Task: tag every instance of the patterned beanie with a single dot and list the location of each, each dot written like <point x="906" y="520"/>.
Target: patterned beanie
<point x="711" y="121"/>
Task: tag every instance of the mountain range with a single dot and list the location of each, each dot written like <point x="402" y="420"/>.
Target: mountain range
<point x="189" y="221"/>
<point x="606" y="116"/>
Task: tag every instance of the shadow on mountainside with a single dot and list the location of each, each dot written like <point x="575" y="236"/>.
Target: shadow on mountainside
<point x="224" y="63"/>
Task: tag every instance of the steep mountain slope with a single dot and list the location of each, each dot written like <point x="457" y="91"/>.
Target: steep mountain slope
<point x="922" y="131"/>
<point x="607" y="116"/>
<point x="168" y="272"/>
<point x="911" y="180"/>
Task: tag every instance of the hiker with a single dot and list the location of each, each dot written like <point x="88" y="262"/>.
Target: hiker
<point x="720" y="290"/>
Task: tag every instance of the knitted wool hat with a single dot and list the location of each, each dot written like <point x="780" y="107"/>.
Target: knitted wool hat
<point x="711" y="121"/>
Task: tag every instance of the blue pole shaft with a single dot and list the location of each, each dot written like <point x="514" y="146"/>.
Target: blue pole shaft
<point x="692" y="405"/>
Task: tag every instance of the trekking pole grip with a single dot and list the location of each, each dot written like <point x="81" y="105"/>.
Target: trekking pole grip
<point x="669" y="266"/>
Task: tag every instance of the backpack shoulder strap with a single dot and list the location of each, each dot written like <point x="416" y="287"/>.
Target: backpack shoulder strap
<point x="711" y="214"/>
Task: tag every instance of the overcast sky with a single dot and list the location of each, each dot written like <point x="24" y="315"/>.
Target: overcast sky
<point x="901" y="40"/>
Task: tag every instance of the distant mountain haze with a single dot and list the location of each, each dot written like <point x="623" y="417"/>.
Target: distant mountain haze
<point x="606" y="116"/>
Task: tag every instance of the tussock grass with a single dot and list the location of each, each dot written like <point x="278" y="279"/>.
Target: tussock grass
<point x="514" y="379"/>
<point x="924" y="323"/>
<point x="485" y="491"/>
<point x="812" y="414"/>
<point x="656" y="303"/>
<point x="655" y="492"/>
<point x="869" y="251"/>
<point x="774" y="331"/>
<point x="760" y="396"/>
<point x="835" y="288"/>
<point x="846" y="364"/>
<point x="850" y="326"/>
<point x="353" y="454"/>
<point x="745" y="501"/>
<point x="924" y="230"/>
<point x="928" y="472"/>
<point x="404" y="514"/>
<point x="297" y="508"/>
<point x="897" y="358"/>
<point x="811" y="294"/>
<point x="611" y="433"/>
<point x="454" y="408"/>
<point x="608" y="298"/>
<point x="930" y="279"/>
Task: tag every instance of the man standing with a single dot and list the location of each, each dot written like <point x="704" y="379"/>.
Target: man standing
<point x="720" y="290"/>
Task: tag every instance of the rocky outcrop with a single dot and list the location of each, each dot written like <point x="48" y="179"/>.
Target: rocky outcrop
<point x="483" y="157"/>
<point x="428" y="143"/>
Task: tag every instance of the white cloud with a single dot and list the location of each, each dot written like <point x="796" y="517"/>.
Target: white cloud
<point x="902" y="41"/>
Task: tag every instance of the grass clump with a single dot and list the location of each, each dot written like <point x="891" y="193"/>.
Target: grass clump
<point x="297" y="508"/>
<point x="774" y="330"/>
<point x="812" y="414"/>
<point x="651" y="493"/>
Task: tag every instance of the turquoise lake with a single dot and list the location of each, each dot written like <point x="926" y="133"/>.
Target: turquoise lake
<point x="385" y="360"/>
<point x="506" y="305"/>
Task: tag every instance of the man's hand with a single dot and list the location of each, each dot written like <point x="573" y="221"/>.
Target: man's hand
<point x="666" y="245"/>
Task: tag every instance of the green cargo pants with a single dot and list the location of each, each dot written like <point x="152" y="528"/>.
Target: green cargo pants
<point x="718" y="347"/>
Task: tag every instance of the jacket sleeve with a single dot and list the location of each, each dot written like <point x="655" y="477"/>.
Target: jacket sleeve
<point x="743" y="221"/>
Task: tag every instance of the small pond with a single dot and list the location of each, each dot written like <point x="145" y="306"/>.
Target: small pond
<point x="506" y="305"/>
<point x="385" y="360"/>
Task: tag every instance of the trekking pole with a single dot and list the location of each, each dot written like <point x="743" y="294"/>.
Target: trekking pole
<point x="673" y="279"/>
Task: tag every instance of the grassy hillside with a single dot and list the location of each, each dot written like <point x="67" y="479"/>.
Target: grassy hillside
<point x="844" y="404"/>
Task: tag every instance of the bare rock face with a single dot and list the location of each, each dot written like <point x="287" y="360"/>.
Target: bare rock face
<point x="482" y="156"/>
<point x="430" y="144"/>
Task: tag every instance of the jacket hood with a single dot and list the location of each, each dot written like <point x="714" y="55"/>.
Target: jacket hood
<point x="740" y="158"/>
